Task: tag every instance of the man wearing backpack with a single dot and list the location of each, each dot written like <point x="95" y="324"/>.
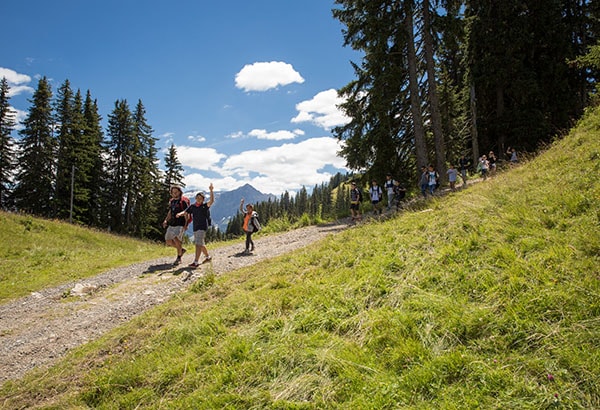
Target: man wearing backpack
<point x="250" y="225"/>
<point x="355" y="200"/>
<point x="176" y="226"/>
<point x="200" y="213"/>
<point x="376" y="194"/>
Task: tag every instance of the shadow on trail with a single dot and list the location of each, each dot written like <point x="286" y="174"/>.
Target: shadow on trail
<point x="241" y="254"/>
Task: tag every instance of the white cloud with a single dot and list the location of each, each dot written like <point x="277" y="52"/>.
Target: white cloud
<point x="274" y="170"/>
<point x="322" y="110"/>
<point x="235" y="135"/>
<point x="286" y="167"/>
<point x="17" y="82"/>
<point x="206" y="159"/>
<point x="275" y="136"/>
<point x="264" y="76"/>
<point x="196" y="138"/>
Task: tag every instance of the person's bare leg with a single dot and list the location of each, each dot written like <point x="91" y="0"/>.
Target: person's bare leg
<point x="198" y="253"/>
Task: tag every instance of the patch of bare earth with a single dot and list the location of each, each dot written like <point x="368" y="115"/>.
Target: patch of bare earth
<point x="37" y="330"/>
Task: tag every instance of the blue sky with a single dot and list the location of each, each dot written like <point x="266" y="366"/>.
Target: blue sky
<point x="244" y="89"/>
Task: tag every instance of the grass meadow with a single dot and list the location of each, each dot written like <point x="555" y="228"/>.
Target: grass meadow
<point x="488" y="298"/>
<point x="37" y="253"/>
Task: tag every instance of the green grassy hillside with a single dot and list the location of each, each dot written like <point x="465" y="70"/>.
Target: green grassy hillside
<point x="37" y="253"/>
<point x="487" y="298"/>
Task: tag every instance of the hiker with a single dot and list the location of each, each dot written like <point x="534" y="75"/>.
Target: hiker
<point x="250" y="225"/>
<point x="200" y="213"/>
<point x="389" y="186"/>
<point x="512" y="154"/>
<point x="399" y="194"/>
<point x="355" y="200"/>
<point x="463" y="165"/>
<point x="492" y="161"/>
<point x="176" y="225"/>
<point x="452" y="175"/>
<point x="433" y="179"/>
<point x="423" y="181"/>
<point x="483" y="167"/>
<point x="376" y="194"/>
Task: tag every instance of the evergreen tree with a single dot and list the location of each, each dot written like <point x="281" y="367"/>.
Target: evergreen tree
<point x="120" y="131"/>
<point x="84" y="161"/>
<point x="97" y="184"/>
<point x="75" y="157"/>
<point x="386" y="131"/>
<point x="518" y="53"/>
<point x="433" y="96"/>
<point x="34" y="190"/>
<point x="7" y="154"/>
<point x="146" y="183"/>
<point x="173" y="169"/>
<point x="66" y="155"/>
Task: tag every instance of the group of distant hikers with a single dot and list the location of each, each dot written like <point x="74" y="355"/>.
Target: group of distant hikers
<point x="181" y="212"/>
<point x="429" y="183"/>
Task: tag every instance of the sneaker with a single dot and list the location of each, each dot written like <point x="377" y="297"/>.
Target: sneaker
<point x="177" y="261"/>
<point x="194" y="264"/>
<point x="207" y="259"/>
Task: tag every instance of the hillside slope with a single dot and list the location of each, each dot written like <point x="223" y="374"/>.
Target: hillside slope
<point x="489" y="298"/>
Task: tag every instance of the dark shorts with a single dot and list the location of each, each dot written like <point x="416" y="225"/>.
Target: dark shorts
<point x="354" y="207"/>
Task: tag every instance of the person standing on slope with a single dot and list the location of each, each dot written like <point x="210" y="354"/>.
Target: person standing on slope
<point x="176" y="226"/>
<point x="250" y="225"/>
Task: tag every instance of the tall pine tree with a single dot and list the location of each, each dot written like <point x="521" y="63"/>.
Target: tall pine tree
<point x="97" y="183"/>
<point x="146" y="214"/>
<point x="34" y="190"/>
<point x="120" y="132"/>
<point x="7" y="154"/>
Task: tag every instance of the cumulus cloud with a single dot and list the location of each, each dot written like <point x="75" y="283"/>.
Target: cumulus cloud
<point x="203" y="159"/>
<point x="17" y="82"/>
<point x="322" y="110"/>
<point x="263" y="76"/>
<point x="287" y="167"/>
<point x="276" y="135"/>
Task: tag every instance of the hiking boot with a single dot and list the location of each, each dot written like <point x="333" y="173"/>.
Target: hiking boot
<point x="207" y="259"/>
<point x="194" y="265"/>
<point x="177" y="261"/>
<point x="183" y="250"/>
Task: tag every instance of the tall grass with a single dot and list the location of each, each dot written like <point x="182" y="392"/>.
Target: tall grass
<point x="488" y="298"/>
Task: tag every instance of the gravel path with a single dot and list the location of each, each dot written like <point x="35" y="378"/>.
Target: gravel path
<point x="39" y="329"/>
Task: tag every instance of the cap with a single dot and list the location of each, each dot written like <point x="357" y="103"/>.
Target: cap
<point x="177" y="187"/>
<point x="201" y="194"/>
